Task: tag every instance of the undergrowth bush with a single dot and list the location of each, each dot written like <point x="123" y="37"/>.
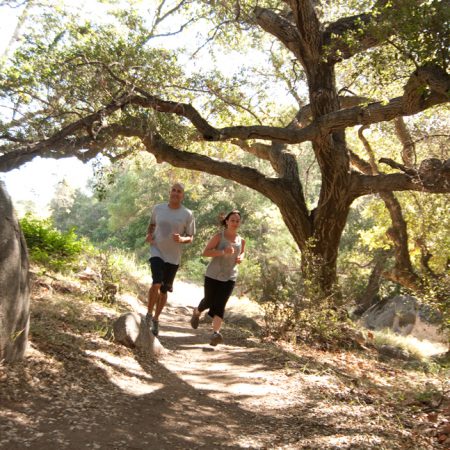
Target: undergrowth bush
<point x="54" y="249"/>
<point x="292" y="315"/>
<point x="109" y="276"/>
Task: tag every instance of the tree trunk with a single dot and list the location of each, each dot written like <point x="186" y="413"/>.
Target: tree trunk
<point x="371" y="294"/>
<point x="330" y="216"/>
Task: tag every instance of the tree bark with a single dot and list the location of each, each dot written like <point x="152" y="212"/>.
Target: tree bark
<point x="371" y="293"/>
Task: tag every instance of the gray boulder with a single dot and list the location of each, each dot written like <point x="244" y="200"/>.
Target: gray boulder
<point x="405" y="315"/>
<point x="14" y="284"/>
<point x="131" y="330"/>
<point x="398" y="314"/>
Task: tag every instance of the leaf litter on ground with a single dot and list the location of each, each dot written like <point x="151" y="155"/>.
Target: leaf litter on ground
<point x="77" y="388"/>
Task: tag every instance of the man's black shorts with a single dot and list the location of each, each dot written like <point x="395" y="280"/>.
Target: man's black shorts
<point x="163" y="273"/>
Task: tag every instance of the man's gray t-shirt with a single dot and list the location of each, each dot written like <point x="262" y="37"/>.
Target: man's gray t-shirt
<point x="168" y="221"/>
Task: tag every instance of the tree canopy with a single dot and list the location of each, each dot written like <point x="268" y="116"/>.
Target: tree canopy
<point x="319" y="75"/>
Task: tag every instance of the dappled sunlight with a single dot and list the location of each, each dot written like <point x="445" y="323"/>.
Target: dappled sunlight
<point x="242" y="394"/>
<point x="174" y="334"/>
<point x="125" y="372"/>
<point x="348" y="441"/>
<point x="19" y="418"/>
<point x="134" y="303"/>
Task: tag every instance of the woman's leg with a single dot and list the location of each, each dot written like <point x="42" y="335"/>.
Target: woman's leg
<point x="205" y="302"/>
<point x="217" y="324"/>
<point x="222" y="294"/>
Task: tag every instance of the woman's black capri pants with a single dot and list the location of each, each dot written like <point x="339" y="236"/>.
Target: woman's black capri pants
<point x="217" y="294"/>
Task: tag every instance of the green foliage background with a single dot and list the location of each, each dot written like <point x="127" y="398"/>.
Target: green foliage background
<point x="69" y="64"/>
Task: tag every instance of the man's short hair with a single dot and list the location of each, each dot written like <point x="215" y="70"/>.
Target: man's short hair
<point x="181" y="185"/>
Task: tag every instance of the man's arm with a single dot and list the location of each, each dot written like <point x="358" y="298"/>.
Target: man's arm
<point x="182" y="239"/>
<point x="189" y="232"/>
<point x="150" y="230"/>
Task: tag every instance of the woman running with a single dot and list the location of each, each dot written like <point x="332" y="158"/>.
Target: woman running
<point x="226" y="249"/>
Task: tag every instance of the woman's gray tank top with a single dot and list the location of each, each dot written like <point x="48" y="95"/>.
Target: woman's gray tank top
<point x="224" y="268"/>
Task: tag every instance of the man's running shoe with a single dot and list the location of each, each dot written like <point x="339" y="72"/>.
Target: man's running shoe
<point x="155" y="327"/>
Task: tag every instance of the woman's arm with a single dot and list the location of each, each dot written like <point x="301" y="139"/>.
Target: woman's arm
<point x="211" y="250"/>
<point x="242" y="254"/>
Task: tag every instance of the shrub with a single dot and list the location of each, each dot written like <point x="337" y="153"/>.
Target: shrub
<point x="48" y="246"/>
<point x="294" y="311"/>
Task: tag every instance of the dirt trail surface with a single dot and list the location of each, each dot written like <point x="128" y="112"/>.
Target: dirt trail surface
<point x="78" y="389"/>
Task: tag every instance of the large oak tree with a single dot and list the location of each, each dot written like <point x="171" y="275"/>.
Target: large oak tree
<point x="79" y="89"/>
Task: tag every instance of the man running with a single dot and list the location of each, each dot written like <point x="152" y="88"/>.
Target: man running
<point x="171" y="225"/>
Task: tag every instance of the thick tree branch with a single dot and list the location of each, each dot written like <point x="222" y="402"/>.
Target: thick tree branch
<point x="247" y="176"/>
<point x="365" y="25"/>
<point x="276" y="189"/>
<point x="437" y="182"/>
<point x="304" y="115"/>
<point x="281" y="28"/>
<point x="308" y="27"/>
<point x="425" y="79"/>
<point x="258" y="149"/>
<point x="372" y="164"/>
<point x="408" y="145"/>
<point x="63" y="149"/>
<point x="279" y="157"/>
<point x="335" y="121"/>
<point x="398" y="232"/>
<point x="361" y="164"/>
<point x="83" y="147"/>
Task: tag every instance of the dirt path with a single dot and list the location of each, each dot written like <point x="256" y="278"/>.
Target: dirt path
<point x="78" y="390"/>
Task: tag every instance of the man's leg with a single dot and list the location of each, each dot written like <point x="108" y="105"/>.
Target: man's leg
<point x="153" y="296"/>
<point x="162" y="300"/>
<point x="169" y="272"/>
<point x="157" y="268"/>
<point x="160" y="303"/>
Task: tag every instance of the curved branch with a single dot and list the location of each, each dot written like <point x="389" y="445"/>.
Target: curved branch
<point x="304" y="115"/>
<point x="281" y="28"/>
<point x="84" y="148"/>
<point x="258" y="149"/>
<point x="433" y="180"/>
<point x="63" y="149"/>
<point x="364" y="24"/>
<point x="429" y="77"/>
<point x="408" y="146"/>
<point x="247" y="176"/>
<point x="361" y="164"/>
<point x="373" y="165"/>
